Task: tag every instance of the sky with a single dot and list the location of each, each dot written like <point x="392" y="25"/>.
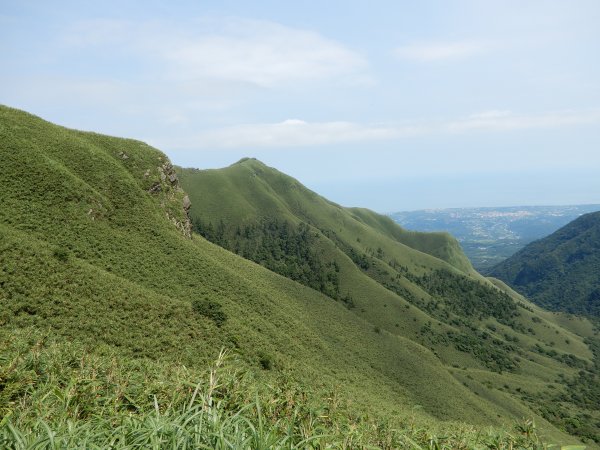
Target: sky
<point x="391" y="105"/>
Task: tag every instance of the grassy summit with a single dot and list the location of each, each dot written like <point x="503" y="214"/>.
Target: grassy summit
<point x="111" y="309"/>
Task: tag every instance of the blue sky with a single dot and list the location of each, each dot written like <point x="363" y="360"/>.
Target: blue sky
<point x="391" y="105"/>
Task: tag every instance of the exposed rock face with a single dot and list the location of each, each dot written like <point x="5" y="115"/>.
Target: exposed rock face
<point x="167" y="187"/>
<point x="187" y="204"/>
<point x="184" y="226"/>
<point x="164" y="185"/>
<point x="156" y="187"/>
<point x="166" y="171"/>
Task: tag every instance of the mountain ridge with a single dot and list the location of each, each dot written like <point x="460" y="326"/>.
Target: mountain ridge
<point x="361" y="214"/>
<point x="95" y="249"/>
<point x="360" y="234"/>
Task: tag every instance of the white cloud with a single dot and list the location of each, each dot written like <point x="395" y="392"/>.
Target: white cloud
<point x="267" y="56"/>
<point x="65" y="91"/>
<point x="292" y="133"/>
<point x="299" y="133"/>
<point x="441" y="51"/>
<point x="257" y="52"/>
<point x="491" y="114"/>
<point x="495" y="121"/>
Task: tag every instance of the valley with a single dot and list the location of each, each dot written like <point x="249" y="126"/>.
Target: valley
<point x="124" y="278"/>
<point x="490" y="235"/>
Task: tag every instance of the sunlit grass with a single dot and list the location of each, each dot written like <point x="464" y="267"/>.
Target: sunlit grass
<point x="61" y="396"/>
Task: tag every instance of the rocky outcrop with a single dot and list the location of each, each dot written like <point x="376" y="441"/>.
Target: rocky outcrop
<point x="182" y="222"/>
<point x="162" y="184"/>
<point x="187" y="204"/>
<point x="175" y="202"/>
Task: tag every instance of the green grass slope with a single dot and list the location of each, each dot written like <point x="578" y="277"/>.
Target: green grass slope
<point x="96" y="250"/>
<point x="560" y="272"/>
<point x="418" y="286"/>
<point x="440" y="245"/>
<point x="249" y="189"/>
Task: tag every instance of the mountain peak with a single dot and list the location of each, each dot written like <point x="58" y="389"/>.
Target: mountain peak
<point x="249" y="161"/>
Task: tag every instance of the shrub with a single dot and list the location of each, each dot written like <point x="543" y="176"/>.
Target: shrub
<point x="61" y="254"/>
<point x="210" y="309"/>
<point x="265" y="360"/>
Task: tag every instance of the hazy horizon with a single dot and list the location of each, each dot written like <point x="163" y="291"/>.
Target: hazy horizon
<point x="494" y="207"/>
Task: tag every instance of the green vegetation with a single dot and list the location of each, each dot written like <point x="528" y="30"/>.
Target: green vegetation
<point x="111" y="310"/>
<point x="562" y="271"/>
<point x="278" y="246"/>
<point x="69" y="398"/>
<point x="210" y="309"/>
<point x="456" y="310"/>
<point x="582" y="390"/>
<point x="470" y="298"/>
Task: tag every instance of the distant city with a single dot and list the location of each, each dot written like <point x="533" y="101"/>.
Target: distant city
<point x="490" y="235"/>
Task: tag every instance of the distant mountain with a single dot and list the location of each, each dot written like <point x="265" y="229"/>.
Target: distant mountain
<point x="562" y="271"/>
<point x="490" y="235"/>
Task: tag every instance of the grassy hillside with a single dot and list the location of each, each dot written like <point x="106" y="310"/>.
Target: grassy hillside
<point x="562" y="271"/>
<point x="111" y="310"/>
<point x="440" y="245"/>
<point x="415" y="285"/>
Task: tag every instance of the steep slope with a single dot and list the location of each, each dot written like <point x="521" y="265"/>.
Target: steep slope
<point x="415" y="285"/>
<point x="440" y="245"/>
<point x="96" y="249"/>
<point x="248" y="190"/>
<point x="560" y="272"/>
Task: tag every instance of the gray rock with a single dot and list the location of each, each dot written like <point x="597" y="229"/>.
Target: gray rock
<point x="156" y="187"/>
<point x="186" y="203"/>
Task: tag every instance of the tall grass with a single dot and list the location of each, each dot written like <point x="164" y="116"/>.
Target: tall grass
<point x="55" y="395"/>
